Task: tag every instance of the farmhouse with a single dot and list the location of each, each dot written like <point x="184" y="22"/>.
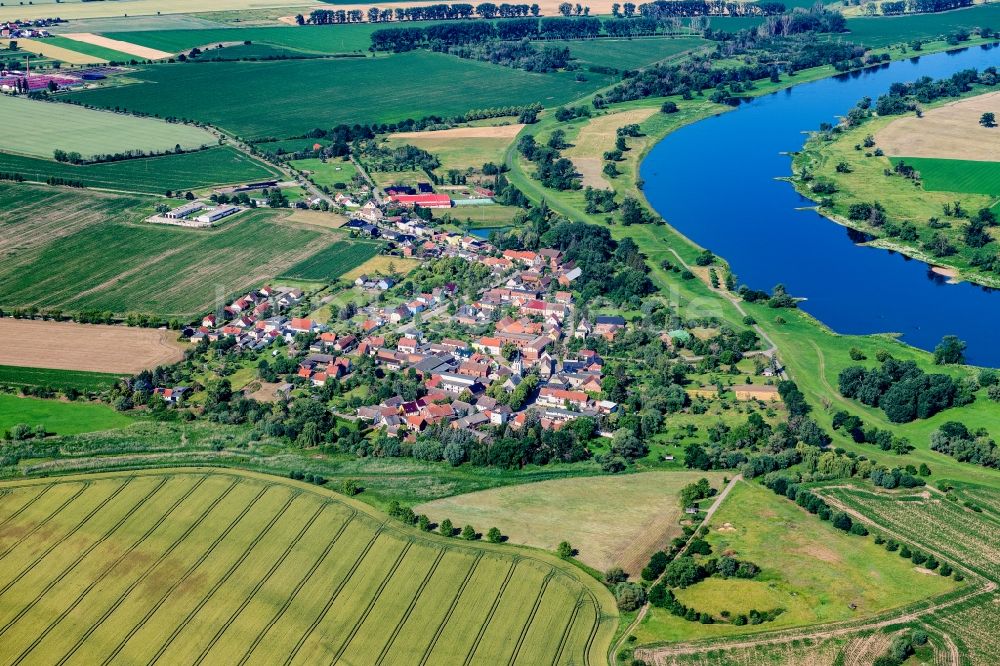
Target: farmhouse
<point x="216" y="214"/>
<point x="182" y="212"/>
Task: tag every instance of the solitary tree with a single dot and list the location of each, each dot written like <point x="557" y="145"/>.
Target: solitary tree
<point x="988" y="119"/>
<point x="950" y="350"/>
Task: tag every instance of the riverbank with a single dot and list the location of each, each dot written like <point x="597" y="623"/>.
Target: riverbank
<point x="850" y="161"/>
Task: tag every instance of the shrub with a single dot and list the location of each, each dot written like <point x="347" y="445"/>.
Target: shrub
<point x="629" y="596"/>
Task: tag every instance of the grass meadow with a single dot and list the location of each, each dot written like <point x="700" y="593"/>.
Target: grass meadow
<point x="193" y="566"/>
<point x="628" y="53"/>
<point x="457" y="152"/>
<point x="292" y="97"/>
<point x="326" y="173"/>
<point x="965" y="176"/>
<point x="47" y="126"/>
<point x="59" y="417"/>
<point x="808" y="568"/>
<point x="81" y="380"/>
<point x="88" y="252"/>
<point x="611" y="521"/>
<point x="882" y="30"/>
<point x="151" y="175"/>
<point x="333" y="261"/>
<point x="315" y="39"/>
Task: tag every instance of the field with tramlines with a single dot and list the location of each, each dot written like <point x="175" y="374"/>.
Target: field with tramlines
<point x="334" y="261"/>
<point x="68" y="257"/>
<point x="959" y="534"/>
<point x="972" y="626"/>
<point x="194" y="566"/>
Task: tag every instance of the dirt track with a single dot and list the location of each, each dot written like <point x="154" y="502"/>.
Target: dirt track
<point x="68" y="346"/>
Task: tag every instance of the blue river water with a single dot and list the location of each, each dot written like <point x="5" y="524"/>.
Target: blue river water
<point x="715" y="182"/>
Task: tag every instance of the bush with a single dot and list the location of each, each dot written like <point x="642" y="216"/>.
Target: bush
<point x="629" y="596"/>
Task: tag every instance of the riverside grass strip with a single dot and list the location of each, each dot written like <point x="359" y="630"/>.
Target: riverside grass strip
<point x="202" y="566"/>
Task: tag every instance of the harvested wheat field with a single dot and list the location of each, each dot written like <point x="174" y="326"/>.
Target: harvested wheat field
<point x="90" y="347"/>
<point x="951" y="131"/>
<point x="118" y="45"/>
<point x="56" y="52"/>
<point x="488" y="132"/>
<point x="612" y="520"/>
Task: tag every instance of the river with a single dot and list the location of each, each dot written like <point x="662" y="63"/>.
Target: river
<point x="715" y="182"/>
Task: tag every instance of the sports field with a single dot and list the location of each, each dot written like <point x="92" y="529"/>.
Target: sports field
<point x="332" y="262"/>
<point x="151" y="175"/>
<point x="113" y="262"/>
<point x="58" y="417"/>
<point x="193" y="566"/>
<point x="611" y="521"/>
<point x="292" y="97"/>
<point x="47" y="126"/>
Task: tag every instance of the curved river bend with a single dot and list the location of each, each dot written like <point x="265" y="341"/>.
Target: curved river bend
<point x="714" y="181"/>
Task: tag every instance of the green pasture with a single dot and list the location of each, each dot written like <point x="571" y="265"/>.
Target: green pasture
<point x="58" y="417"/>
<point x="808" y="568"/>
<point x="46" y="126"/>
<point x="965" y="176"/>
<point x="333" y="261"/>
<point x="628" y="53"/>
<point x="292" y="97"/>
<point x="192" y="565"/>
<point x="152" y="175"/>
<point x="328" y="172"/>
<point x="60" y="380"/>
<point x="880" y="31"/>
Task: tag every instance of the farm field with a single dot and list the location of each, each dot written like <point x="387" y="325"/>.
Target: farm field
<point x="333" y="261"/>
<point x="58" y="417"/>
<point x="81" y="380"/>
<point x="949" y="131"/>
<point x="54" y="51"/>
<point x="299" y="95"/>
<point x="48" y="126"/>
<point x="191" y="565"/>
<point x="885" y="30"/>
<point x="382" y="265"/>
<point x="626" y="54"/>
<point x="86" y="347"/>
<point x="612" y="521"/>
<point x="808" y="568"/>
<point x="110" y="262"/>
<point x="99" y="54"/>
<point x="965" y="176"/>
<point x="135" y="50"/>
<point x="316" y="39"/>
<point x="461" y="148"/>
<point x="151" y="175"/>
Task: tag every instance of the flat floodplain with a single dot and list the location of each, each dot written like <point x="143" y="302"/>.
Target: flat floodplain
<point x="195" y="566"/>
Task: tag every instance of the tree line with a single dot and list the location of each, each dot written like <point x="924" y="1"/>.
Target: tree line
<point x="897" y="7"/>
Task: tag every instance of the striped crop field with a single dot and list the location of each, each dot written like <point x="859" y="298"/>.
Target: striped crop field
<point x="334" y="261"/>
<point x="202" y="567"/>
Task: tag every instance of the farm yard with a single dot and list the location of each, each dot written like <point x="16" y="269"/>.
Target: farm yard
<point x="190" y="566"/>
<point x="333" y="261"/>
<point x="45" y="127"/>
<point x="113" y="263"/>
<point x="295" y="96"/>
<point x="150" y="175"/>
<point x="96" y="348"/>
<point x="58" y="418"/>
<point x="611" y="521"/>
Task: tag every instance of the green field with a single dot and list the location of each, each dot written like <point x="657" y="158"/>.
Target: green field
<point x="315" y="39"/>
<point x="292" y="97"/>
<point x="152" y="175"/>
<point x="965" y="176"/>
<point x="60" y="380"/>
<point x="47" y="126"/>
<point x="92" y="252"/>
<point x="885" y="30"/>
<point x="98" y="52"/>
<point x="628" y="53"/>
<point x="62" y="418"/>
<point x="611" y="521"/>
<point x="328" y="173"/>
<point x="191" y="566"/>
<point x="808" y="568"/>
<point x="457" y="152"/>
<point x="332" y="262"/>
